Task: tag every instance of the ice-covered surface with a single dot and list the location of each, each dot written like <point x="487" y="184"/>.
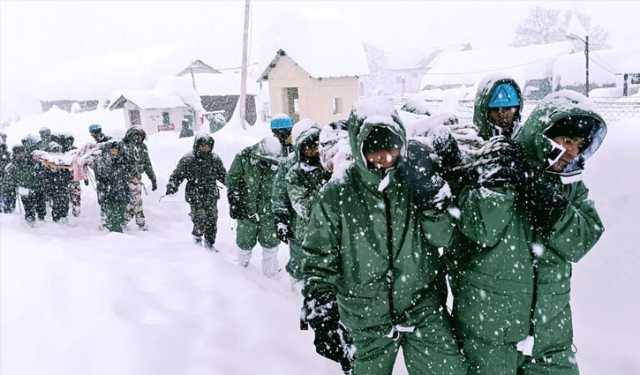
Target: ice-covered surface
<point x="75" y="300"/>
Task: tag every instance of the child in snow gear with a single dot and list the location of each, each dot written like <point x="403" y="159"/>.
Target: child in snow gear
<point x="524" y="225"/>
<point x="201" y="168"/>
<point x="370" y="254"/>
<point x="249" y="188"/>
<point x="96" y="133"/>
<point x="139" y="162"/>
<point x="111" y="172"/>
<point x="303" y="182"/>
<point x="22" y="177"/>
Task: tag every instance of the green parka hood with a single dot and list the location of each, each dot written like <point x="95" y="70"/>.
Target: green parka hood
<point x="481" y="104"/>
<point x="302" y="131"/>
<point x="133" y="131"/>
<point x="541" y="150"/>
<point x="366" y="115"/>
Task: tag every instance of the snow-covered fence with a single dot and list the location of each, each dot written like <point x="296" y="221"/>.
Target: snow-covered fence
<point x="609" y="109"/>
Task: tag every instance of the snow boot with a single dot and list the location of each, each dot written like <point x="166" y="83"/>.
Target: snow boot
<point x="270" y="266"/>
<point x="197" y="240"/>
<point x="210" y="246"/>
<point x="143" y="228"/>
<point x="244" y="257"/>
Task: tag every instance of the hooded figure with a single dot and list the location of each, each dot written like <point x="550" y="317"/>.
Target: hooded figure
<point x="112" y="185"/>
<point x="372" y="256"/>
<point x="96" y="133"/>
<point x="58" y="185"/>
<point x="30" y="144"/>
<point x="498" y="106"/>
<point x="249" y="188"/>
<point x="21" y="177"/>
<point x="139" y="162"/>
<point x="7" y="196"/>
<point x="45" y="139"/>
<point x="303" y="182"/>
<point x="202" y="168"/>
<point x="522" y="230"/>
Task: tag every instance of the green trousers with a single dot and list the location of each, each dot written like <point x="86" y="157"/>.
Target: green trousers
<point x="114" y="215"/>
<point x="250" y="232"/>
<point x="429" y="350"/>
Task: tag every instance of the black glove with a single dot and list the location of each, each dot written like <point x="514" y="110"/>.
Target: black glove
<point x="86" y="182"/>
<point x="501" y="162"/>
<point x="331" y="340"/>
<point x="236" y="210"/>
<point x="171" y="189"/>
<point x="283" y="229"/>
<point x="154" y="185"/>
<point x="544" y="200"/>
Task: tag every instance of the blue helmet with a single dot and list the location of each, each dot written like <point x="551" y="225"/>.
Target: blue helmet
<point x="504" y="95"/>
<point x="95" y="128"/>
<point x="281" y="122"/>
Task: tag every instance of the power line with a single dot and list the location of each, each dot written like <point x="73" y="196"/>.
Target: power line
<point x="494" y="69"/>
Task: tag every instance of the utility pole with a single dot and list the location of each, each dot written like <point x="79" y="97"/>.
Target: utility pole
<point x="243" y="75"/>
<point x="586" y="55"/>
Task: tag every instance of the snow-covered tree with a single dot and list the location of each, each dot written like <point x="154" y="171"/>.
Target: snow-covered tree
<point x="545" y="25"/>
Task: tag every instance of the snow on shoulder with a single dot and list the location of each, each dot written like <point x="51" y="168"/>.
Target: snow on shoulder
<point x="377" y="110"/>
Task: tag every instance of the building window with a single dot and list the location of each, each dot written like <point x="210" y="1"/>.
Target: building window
<point x="134" y="117"/>
<point x="291" y="103"/>
<point x="337" y="106"/>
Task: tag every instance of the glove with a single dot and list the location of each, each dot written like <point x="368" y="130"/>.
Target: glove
<point x="86" y="182"/>
<point x="154" y="185"/>
<point x="236" y="210"/>
<point x="171" y="190"/>
<point x="282" y="232"/>
<point x="501" y="162"/>
<point x="331" y="339"/>
<point x="544" y="201"/>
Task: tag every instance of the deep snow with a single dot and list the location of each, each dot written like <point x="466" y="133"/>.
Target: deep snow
<point x="75" y="300"/>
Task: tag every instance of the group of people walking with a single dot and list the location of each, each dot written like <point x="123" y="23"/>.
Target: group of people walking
<point x="495" y="209"/>
<point x="382" y="211"/>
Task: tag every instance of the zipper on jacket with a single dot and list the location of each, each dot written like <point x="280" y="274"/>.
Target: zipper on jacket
<point x="390" y="271"/>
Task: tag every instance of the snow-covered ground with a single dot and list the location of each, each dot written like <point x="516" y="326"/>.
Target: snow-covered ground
<point x="76" y="300"/>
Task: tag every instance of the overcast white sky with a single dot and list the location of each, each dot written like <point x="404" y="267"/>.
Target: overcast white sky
<point x="58" y="49"/>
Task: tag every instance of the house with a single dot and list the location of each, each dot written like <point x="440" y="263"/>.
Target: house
<point x="219" y="90"/>
<point x="612" y="72"/>
<point x="531" y="66"/>
<point x="154" y="111"/>
<point x="317" y="83"/>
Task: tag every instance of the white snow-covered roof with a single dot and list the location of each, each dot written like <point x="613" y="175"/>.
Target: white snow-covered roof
<point x="149" y="99"/>
<point x="198" y="66"/>
<point x="225" y="83"/>
<point x="603" y="66"/>
<point x="323" y="56"/>
<point x="467" y="67"/>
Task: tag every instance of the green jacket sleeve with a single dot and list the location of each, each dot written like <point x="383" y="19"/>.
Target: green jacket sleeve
<point x="221" y="172"/>
<point x="321" y="266"/>
<point x="178" y="174"/>
<point x="437" y="226"/>
<point x="485" y="214"/>
<point x="280" y="198"/>
<point x="298" y="193"/>
<point x="148" y="167"/>
<point x="236" y="191"/>
<point x="579" y="227"/>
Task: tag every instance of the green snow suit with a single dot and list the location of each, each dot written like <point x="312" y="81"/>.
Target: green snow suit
<point x="249" y="188"/>
<point x="368" y="246"/>
<point x="513" y="276"/>
<point x="303" y="182"/>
